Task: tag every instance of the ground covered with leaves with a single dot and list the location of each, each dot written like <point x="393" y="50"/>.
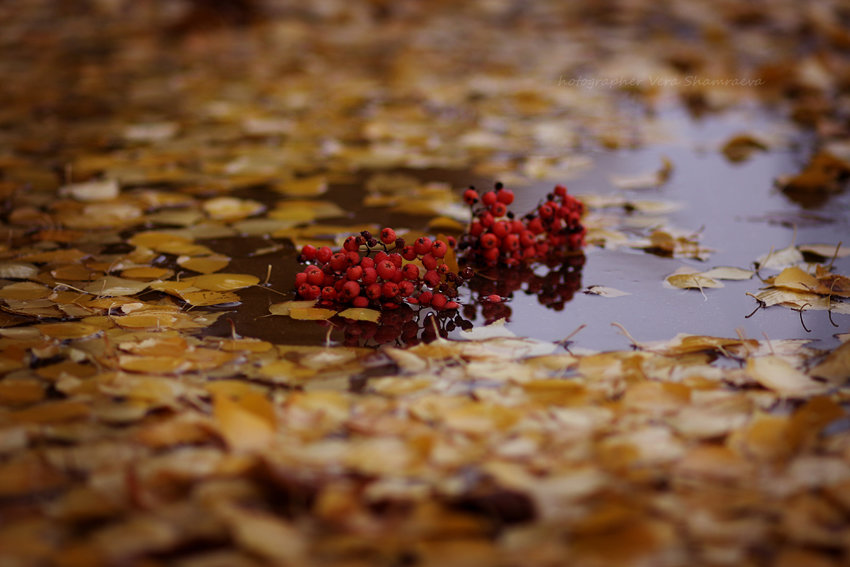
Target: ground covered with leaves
<point x="166" y="399"/>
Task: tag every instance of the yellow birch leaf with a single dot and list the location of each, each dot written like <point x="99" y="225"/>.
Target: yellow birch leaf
<point x="311" y="313"/>
<point x="361" y="314"/>
<point x="206" y="298"/>
<point x="204" y="264"/>
<point x="231" y="208"/>
<point x="305" y="187"/>
<point x="69" y="330"/>
<point x="222" y="281"/>
<point x="247" y="424"/>
<point x="25" y="291"/>
<point x="795" y="278"/>
<point x="836" y="366"/>
<point x="776" y="374"/>
<point x="112" y="286"/>
<point x="146" y="273"/>
<point x="14" y="392"/>
<point x="691" y="281"/>
<point x="729" y="273"/>
<point x="285" y="307"/>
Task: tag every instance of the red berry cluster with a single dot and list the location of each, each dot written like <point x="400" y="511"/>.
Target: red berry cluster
<point x="496" y="237"/>
<point x="382" y="272"/>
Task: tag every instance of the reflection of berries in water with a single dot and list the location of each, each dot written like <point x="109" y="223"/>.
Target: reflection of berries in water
<point x="496" y="287"/>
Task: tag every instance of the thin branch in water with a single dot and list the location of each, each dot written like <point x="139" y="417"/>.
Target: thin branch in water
<point x="566" y="340"/>
<point x="268" y="275"/>
<point x="834" y="255"/>
<point x="801" y="317"/>
<point x="761" y="304"/>
<point x="626" y="333"/>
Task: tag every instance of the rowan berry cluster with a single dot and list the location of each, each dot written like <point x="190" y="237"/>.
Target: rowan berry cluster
<point x="382" y="273"/>
<point x="496" y="237"/>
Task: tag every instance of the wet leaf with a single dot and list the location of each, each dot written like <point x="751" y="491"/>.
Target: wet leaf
<point x="222" y="281"/>
<point x="361" y="314"/>
<point x="113" y="286"/>
<point x="605" y="291"/>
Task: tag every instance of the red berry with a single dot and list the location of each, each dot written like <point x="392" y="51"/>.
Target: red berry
<point x="505" y="196"/>
<point x="493" y="298"/>
<point x="476" y="228"/>
<point x="408" y="253"/>
<point x="370" y="275"/>
<point x="354" y="273"/>
<point x="425" y="297"/>
<point x="351" y="244"/>
<point x="308" y="252"/>
<point x="429" y="261"/>
<point x="422" y="245"/>
<point x="396" y="259"/>
<point x="501" y="229"/>
<point x="324" y="254"/>
<point x="535" y="225"/>
<point x="411" y="271"/>
<point x="526" y="238"/>
<point x="374" y="291"/>
<point x="439" y="249"/>
<point x="451" y="305"/>
<point x="367" y="262"/>
<point x="498" y="209"/>
<point x="315" y="276"/>
<point x="487" y="219"/>
<point x="489" y="198"/>
<point x="360" y="301"/>
<point x="432" y="278"/>
<point x="390" y="290"/>
<point x="353" y="258"/>
<point x="386" y="269"/>
<point x="546" y="210"/>
<point x="406" y="288"/>
<point x="350" y="290"/>
<point x="560" y="191"/>
<point x="491" y="255"/>
<point x="510" y="242"/>
<point x="470" y="196"/>
<point x="328" y="293"/>
<point x="489" y="240"/>
<point x="300" y="279"/>
<point x="388" y="235"/>
<point x="439" y="301"/>
<point x="380" y="256"/>
<point x="339" y="262"/>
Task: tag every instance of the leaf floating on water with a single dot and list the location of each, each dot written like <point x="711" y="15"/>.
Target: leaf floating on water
<point x="361" y="314"/>
<point x="778" y="375"/>
<point x="17" y="270"/>
<point x="247" y="424"/>
<point x="692" y="280"/>
<point x="65" y="331"/>
<point x="649" y="180"/>
<point x="779" y="259"/>
<point x="311" y="313"/>
<point x="206" y="298"/>
<point x="729" y="273"/>
<point x="204" y="264"/>
<point x="285" y="307"/>
<point x="105" y="190"/>
<point x="304" y="187"/>
<point x="113" y="286"/>
<point x="222" y="281"/>
<point x="605" y="291"/>
<point x="742" y="146"/>
<point x="24" y="291"/>
<point x="231" y="208"/>
<point x="825" y="251"/>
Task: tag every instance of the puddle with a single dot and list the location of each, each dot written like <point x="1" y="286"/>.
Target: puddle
<point x="734" y="206"/>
